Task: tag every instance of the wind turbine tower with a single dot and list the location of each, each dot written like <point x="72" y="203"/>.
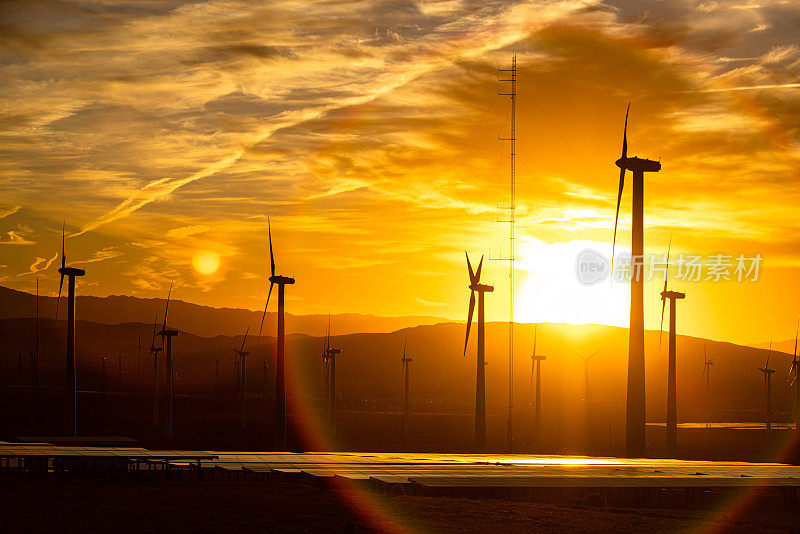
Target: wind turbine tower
<point x="672" y="399"/>
<point x="241" y="353"/>
<point x="768" y="388"/>
<point x="332" y="353"/>
<point x="707" y="373"/>
<point x="586" y="360"/>
<point x="635" y="414"/>
<point x="166" y="343"/>
<point x="475" y="286"/>
<point x="536" y="368"/>
<point x="70" y="385"/>
<point x="795" y="371"/>
<point x="406" y="361"/>
<point x="280" y="379"/>
<point x="154" y="351"/>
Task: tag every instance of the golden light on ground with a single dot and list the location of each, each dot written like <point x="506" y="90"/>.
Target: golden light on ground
<point x="206" y="262"/>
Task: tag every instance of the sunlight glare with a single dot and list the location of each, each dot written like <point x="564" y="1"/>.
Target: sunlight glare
<point x="551" y="292"/>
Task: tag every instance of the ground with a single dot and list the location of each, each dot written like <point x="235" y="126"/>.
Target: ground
<point x="125" y="506"/>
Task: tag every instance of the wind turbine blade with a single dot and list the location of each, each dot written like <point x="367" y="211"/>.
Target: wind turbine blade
<point x="663" y="305"/>
<point x="795" y="338"/>
<point x="245" y="338"/>
<point x="469" y="318"/>
<point x="271" y="255"/>
<point x="63" y="263"/>
<point x="621" y="185"/>
<point x="471" y="273"/>
<point x="263" y="315"/>
<point x="616" y="217"/>
<point x="153" y="342"/>
<point x="63" y="247"/>
<point x="166" y="308"/>
<point x="478" y="271"/>
<point x="328" y="336"/>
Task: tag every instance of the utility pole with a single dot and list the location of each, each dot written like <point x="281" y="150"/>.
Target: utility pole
<point x="511" y="230"/>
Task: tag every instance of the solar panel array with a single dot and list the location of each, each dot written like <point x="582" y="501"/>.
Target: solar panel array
<point x="450" y="470"/>
<point x="462" y="470"/>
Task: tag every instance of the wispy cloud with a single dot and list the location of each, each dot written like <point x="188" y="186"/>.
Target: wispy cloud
<point x="39" y="265"/>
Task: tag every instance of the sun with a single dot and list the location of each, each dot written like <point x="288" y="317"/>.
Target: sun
<point x="206" y="262"/>
<point x="551" y="291"/>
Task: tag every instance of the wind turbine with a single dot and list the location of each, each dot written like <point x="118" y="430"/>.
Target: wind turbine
<point x="795" y="370"/>
<point x="635" y="414"/>
<point x="672" y="399"/>
<point x="586" y="360"/>
<point x="768" y="387"/>
<point x="536" y="368"/>
<point x="480" y="386"/>
<point x="332" y="353"/>
<point x="280" y="380"/>
<point x="241" y="353"/>
<point x="154" y="351"/>
<point x="707" y="373"/>
<point x="166" y="344"/>
<point x="70" y="385"/>
<point x="406" y="362"/>
<point x="326" y="372"/>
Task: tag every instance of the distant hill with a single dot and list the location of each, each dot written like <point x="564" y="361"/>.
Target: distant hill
<point x="200" y="320"/>
<point x="370" y="367"/>
<point x="787" y="346"/>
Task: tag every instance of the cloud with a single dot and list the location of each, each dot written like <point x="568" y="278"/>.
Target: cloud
<point x="39" y="265"/>
<point x="187" y="231"/>
<point x="5" y="212"/>
<point x="17" y="237"/>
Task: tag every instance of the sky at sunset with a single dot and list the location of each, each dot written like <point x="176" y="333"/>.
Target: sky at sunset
<point x="165" y="133"/>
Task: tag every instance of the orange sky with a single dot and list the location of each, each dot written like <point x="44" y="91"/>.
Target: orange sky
<point x="368" y="133"/>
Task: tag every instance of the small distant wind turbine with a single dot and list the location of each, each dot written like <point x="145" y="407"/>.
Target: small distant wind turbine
<point x="70" y="387"/>
<point x="166" y="344"/>
<point x="103" y="386"/>
<point x="707" y="363"/>
<point x="154" y="351"/>
<point x="332" y="353"/>
<point x="280" y="380"/>
<point x="793" y="373"/>
<point x="672" y="399"/>
<point x="536" y="368"/>
<point x="406" y="363"/>
<point x="480" y="378"/>
<point x="635" y="411"/>
<point x="241" y="353"/>
<point x="768" y="387"/>
<point x="586" y="360"/>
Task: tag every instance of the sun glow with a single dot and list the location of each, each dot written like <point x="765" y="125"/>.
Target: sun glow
<point x="551" y="290"/>
<point x="206" y="262"/>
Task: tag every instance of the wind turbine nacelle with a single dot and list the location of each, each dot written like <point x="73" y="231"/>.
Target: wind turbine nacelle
<point x="333" y="352"/>
<point x="281" y="280"/>
<point x="482" y="288"/>
<point x="672" y="295"/>
<point x="635" y="164"/>
<point x="168" y="332"/>
<point x="71" y="271"/>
